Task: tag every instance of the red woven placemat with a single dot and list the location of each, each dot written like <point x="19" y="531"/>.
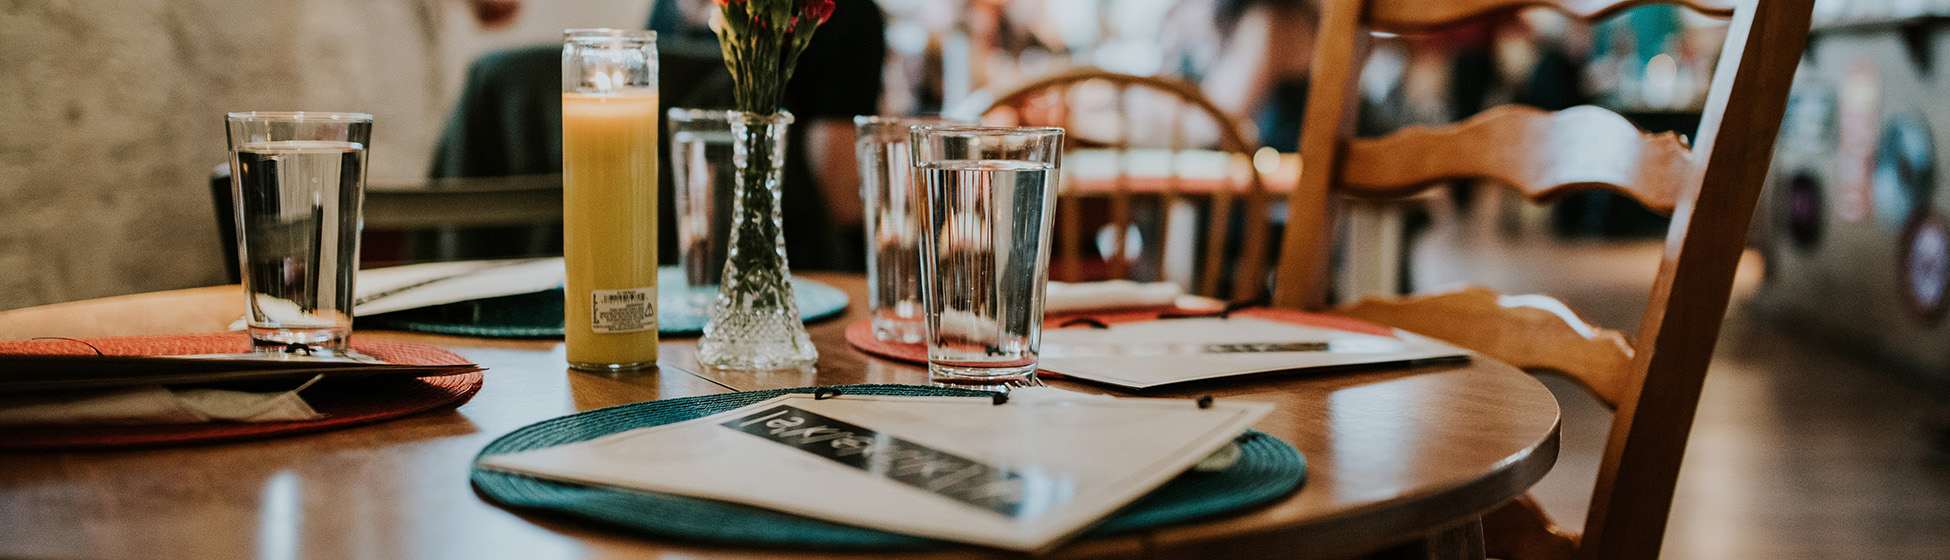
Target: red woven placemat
<point x="344" y="404"/>
<point x="860" y="333"/>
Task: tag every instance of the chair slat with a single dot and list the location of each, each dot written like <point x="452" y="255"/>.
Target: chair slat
<point x="1531" y="332"/>
<point x="1120" y="195"/>
<point x="1541" y="153"/>
<point x="1249" y="279"/>
<point x="1170" y="199"/>
<point x="1138" y="128"/>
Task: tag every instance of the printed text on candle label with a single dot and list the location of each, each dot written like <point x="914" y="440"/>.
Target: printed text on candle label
<point x="623" y="311"/>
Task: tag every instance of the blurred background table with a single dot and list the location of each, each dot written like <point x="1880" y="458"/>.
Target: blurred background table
<point x="1395" y="456"/>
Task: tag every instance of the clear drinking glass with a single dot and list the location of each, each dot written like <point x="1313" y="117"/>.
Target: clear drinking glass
<point x="298" y="179"/>
<point x="706" y="187"/>
<point x="985" y="254"/>
<point x="894" y="204"/>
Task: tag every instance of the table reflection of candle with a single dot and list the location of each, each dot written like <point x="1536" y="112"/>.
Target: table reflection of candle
<point x="609" y="193"/>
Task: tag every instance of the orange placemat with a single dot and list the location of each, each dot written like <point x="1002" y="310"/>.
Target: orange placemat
<point x="345" y="404"/>
<point x="860" y="333"/>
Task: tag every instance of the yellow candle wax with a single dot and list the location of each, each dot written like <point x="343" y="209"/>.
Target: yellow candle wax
<point x="609" y="214"/>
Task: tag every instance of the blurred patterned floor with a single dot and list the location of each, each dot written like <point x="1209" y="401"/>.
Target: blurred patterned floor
<point x="1798" y="451"/>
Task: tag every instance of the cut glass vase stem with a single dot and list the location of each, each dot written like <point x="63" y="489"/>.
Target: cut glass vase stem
<point x="755" y="322"/>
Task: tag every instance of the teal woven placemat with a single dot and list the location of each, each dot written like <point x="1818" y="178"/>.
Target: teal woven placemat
<point x="680" y="311"/>
<point x="1267" y="470"/>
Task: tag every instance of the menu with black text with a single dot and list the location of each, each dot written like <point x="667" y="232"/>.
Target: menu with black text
<point x="1022" y="475"/>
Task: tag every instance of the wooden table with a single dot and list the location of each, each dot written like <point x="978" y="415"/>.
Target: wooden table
<point x="1395" y="456"/>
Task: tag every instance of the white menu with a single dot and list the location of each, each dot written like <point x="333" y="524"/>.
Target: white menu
<point x="1022" y="475"/>
<point x="1155" y="353"/>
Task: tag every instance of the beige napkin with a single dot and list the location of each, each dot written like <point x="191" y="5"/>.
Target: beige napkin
<point x="385" y="290"/>
<point x="1080" y="297"/>
<point x="153" y="405"/>
<point x="1071" y="297"/>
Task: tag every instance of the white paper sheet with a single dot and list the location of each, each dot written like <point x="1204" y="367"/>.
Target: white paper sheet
<point x="385" y="290"/>
<point x="1019" y="476"/>
<point x="1156" y="353"/>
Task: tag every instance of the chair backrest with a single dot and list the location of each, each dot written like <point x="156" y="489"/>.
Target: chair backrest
<point x="1133" y="138"/>
<point x="1710" y="188"/>
<point x="513" y="216"/>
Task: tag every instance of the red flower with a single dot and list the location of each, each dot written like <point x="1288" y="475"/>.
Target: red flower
<point x="723" y="3"/>
<point x="817" y="10"/>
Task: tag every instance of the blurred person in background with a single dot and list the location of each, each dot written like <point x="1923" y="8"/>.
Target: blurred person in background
<point x="1251" y="58"/>
<point x="508" y="121"/>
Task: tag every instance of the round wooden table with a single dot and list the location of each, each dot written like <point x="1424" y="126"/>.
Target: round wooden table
<point x="1395" y="456"/>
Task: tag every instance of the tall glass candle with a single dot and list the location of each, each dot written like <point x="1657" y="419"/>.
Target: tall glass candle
<point x="609" y="198"/>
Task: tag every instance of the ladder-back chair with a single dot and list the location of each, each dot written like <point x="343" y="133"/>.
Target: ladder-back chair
<point x="1144" y="118"/>
<point x="1652" y="380"/>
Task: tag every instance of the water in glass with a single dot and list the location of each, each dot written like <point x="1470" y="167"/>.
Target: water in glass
<point x="893" y="200"/>
<point x="298" y="211"/>
<point x="987" y="263"/>
<point x="701" y="163"/>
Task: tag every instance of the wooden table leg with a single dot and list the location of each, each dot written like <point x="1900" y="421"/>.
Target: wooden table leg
<point x="1463" y="541"/>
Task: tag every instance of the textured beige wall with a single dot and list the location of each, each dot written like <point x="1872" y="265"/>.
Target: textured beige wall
<point x="111" y="116"/>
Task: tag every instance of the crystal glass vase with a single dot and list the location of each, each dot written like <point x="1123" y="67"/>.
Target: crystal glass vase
<point x="755" y="322"/>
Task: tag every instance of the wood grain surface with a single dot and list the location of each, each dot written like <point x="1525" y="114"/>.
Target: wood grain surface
<point x="1395" y="456"/>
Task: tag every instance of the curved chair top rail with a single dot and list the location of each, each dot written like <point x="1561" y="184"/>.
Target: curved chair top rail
<point x="1411" y="16"/>
<point x="1230" y="138"/>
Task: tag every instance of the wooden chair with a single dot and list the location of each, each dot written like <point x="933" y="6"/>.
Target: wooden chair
<point x="1130" y="118"/>
<point x="395" y="213"/>
<point x="1710" y="188"/>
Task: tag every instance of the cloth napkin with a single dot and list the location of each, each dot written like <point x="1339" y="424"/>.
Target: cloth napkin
<point x="1072" y="297"/>
<point x="154" y="405"/>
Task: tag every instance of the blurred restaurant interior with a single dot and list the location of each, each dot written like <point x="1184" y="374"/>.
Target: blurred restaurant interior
<point x="1822" y="431"/>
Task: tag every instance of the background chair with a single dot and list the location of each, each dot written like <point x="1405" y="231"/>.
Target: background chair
<point x="392" y="211"/>
<point x="1710" y="188"/>
<point x="1133" y="140"/>
<point x="496" y="180"/>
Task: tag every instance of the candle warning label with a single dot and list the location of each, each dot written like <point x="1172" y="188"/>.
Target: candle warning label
<point x="623" y="311"/>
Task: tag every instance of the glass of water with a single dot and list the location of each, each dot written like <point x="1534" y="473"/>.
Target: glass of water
<point x="298" y="179"/>
<point x="985" y="252"/>
<point x="894" y="204"/>
<point x="702" y="176"/>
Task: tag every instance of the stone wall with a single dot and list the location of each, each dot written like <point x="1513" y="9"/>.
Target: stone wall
<point x="111" y="116"/>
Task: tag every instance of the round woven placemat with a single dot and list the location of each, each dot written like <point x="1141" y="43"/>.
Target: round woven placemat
<point x="344" y="404"/>
<point x="1267" y="470"/>
<point x="539" y="314"/>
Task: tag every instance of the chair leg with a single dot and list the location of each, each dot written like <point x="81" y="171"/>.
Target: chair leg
<point x="1520" y="530"/>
